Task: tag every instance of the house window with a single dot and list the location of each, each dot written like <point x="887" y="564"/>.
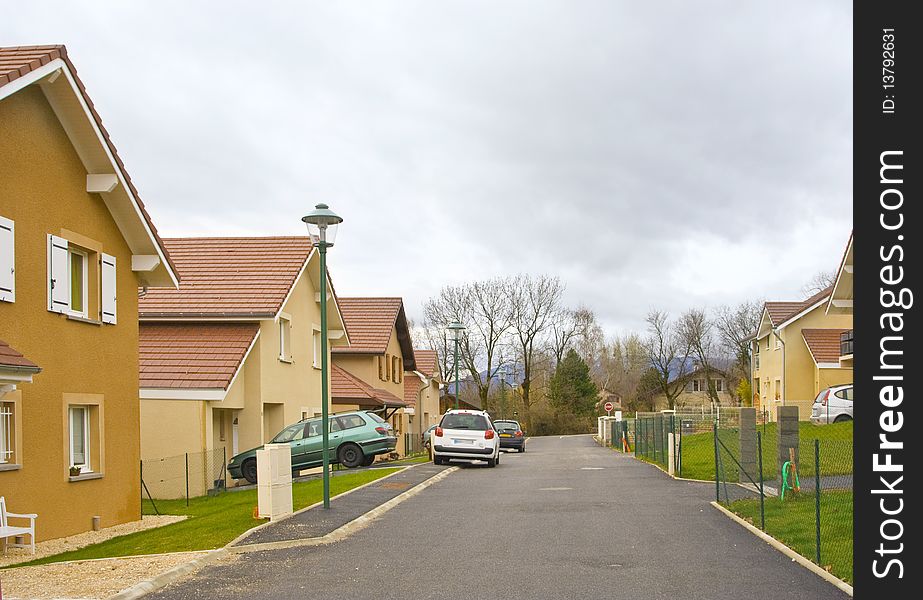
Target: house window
<point x="396" y="369"/>
<point x="697" y="385"/>
<point x="388" y="365"/>
<point x="7" y="261"/>
<point x="719" y="385"/>
<point x="767" y="342"/>
<point x="381" y="368"/>
<point x="317" y="349"/>
<point x="77" y="276"/>
<point x="221" y="434"/>
<point x="7" y="433"/>
<point x="285" y="339"/>
<point x="79" y="417"/>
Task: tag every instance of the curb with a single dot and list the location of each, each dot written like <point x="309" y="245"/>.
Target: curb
<point x="179" y="572"/>
<point x="801" y="560"/>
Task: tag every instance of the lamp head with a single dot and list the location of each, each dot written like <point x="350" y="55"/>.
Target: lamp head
<point x="322" y="224"/>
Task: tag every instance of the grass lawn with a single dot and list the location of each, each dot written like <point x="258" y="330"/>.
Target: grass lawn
<point x="792" y="522"/>
<point x="213" y="521"/>
<point x="698" y="451"/>
<point x="410" y="460"/>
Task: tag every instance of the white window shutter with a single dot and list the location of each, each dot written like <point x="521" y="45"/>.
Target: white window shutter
<point x="7" y="261"/>
<point x="108" y="289"/>
<point x="58" y="283"/>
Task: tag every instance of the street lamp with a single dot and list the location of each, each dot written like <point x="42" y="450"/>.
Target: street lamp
<point x="455" y="330"/>
<point x="322" y="227"/>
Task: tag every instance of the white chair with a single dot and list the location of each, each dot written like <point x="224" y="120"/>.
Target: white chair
<point x="9" y="531"/>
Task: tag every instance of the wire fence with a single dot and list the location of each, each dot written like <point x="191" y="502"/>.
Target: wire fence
<point x="185" y="475"/>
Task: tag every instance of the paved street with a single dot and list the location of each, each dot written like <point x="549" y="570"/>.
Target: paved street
<point x="567" y="519"/>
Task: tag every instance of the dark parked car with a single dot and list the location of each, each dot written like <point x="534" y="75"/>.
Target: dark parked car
<point x="511" y="435"/>
<point x="427" y="436"/>
<point x="356" y="437"/>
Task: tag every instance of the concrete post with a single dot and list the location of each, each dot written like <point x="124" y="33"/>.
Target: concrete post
<point x="787" y="424"/>
<point x="671" y="458"/>
<point x="748" y="460"/>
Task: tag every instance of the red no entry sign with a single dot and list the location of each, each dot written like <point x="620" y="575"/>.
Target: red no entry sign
<point x="608" y="406"/>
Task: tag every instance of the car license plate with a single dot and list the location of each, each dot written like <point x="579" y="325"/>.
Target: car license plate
<point x="458" y="441"/>
<point x="506" y="435"/>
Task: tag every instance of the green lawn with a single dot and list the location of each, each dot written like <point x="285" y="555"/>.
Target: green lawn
<point x="698" y="451"/>
<point x="792" y="522"/>
<point x="213" y="521"/>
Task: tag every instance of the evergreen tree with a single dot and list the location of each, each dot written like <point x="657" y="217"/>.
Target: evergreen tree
<point x="571" y="389"/>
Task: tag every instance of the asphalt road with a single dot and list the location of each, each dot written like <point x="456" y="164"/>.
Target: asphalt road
<point x="566" y="519"/>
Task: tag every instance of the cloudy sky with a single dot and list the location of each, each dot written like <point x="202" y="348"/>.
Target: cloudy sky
<point x="651" y="154"/>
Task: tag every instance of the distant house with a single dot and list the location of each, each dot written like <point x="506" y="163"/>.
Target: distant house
<point x="373" y="365"/>
<point x="796" y="350"/>
<point x="76" y="243"/>
<point x="233" y="355"/>
<point x="421" y="391"/>
<point x="694" y="392"/>
<point x="604" y="396"/>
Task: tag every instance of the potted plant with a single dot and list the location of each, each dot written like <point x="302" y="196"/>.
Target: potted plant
<point x="75" y="471"/>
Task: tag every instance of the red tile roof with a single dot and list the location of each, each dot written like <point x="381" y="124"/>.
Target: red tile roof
<point x="370" y="321"/>
<point x="229" y="277"/>
<point x="193" y="355"/>
<point x="824" y="344"/>
<point x="779" y="312"/>
<point x="412" y="385"/>
<point x="17" y="61"/>
<point x="11" y="358"/>
<point x="346" y="388"/>
<point x="427" y="362"/>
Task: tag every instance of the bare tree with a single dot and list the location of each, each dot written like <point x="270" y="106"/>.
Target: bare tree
<point x="533" y="303"/>
<point x="819" y="282"/>
<point x="668" y="351"/>
<point x="735" y="328"/>
<point x="697" y="331"/>
<point x="564" y="329"/>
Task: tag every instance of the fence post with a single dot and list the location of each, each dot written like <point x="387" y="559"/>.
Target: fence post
<point x="787" y="427"/>
<point x="714" y="426"/>
<point x="817" y="498"/>
<point x="759" y="449"/>
<point x="747" y="444"/>
<point x="142" y="487"/>
<point x="187" y="479"/>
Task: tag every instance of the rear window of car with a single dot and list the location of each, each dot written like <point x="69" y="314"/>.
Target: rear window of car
<point x="458" y="421"/>
<point x="351" y="421"/>
<point x="375" y="417"/>
<point x="506" y="425"/>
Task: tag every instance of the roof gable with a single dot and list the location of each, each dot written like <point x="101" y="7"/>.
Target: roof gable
<point x="229" y="277"/>
<point x="427" y="362"/>
<point x="824" y="344"/>
<point x="22" y="66"/>
<point x="371" y="322"/>
<point x="781" y="314"/>
<point x="346" y="388"/>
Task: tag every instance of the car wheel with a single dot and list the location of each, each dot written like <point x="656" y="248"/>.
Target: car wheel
<point x="522" y="448"/>
<point x="350" y="456"/>
<point x="248" y="470"/>
<point x="491" y="462"/>
<point x="368" y="460"/>
<point x="842" y="419"/>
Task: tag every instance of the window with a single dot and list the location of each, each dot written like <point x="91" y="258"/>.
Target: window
<point x="767" y="342"/>
<point x="463" y="421"/>
<point x="77" y="267"/>
<point x="396" y="368"/>
<point x="285" y="339"/>
<point x="80" y="437"/>
<point x="388" y="365"/>
<point x="7" y="433"/>
<point x="292" y="433"/>
<point x="778" y="343"/>
<point x="719" y="385"/>
<point x="778" y="389"/>
<point x="351" y="421"/>
<point x="317" y="349"/>
<point x="375" y="417"/>
<point x="7" y="261"/>
<point x="697" y="385"/>
<point x="381" y="368"/>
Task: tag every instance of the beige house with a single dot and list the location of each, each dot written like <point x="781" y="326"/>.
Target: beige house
<point x="421" y="393"/>
<point x="233" y="355"/>
<point x="791" y="351"/>
<point x="841" y="303"/>
<point x="379" y="352"/>
<point x="76" y="243"/>
<point x="694" y="393"/>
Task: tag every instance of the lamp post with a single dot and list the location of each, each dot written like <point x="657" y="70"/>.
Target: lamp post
<point x="456" y="329"/>
<point x="322" y="227"/>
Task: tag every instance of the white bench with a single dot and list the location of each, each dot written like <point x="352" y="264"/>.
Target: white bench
<point x="9" y="531"/>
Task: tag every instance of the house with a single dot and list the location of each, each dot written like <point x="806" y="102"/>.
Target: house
<point x="841" y="303"/>
<point x="694" y="392"/>
<point x="791" y="352"/>
<point x="421" y="392"/>
<point x="369" y="372"/>
<point x="233" y="355"/>
<point x="76" y="244"/>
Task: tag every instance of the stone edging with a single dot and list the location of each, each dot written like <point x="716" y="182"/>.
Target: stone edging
<point x="801" y="560"/>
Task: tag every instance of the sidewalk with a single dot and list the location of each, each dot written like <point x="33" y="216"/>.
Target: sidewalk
<point x="317" y="521"/>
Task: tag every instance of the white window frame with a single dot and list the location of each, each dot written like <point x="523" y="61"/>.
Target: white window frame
<point x="285" y="339"/>
<point x="316" y="345"/>
<point x="719" y="385"/>
<point x="778" y="343"/>
<point x="8" y="258"/>
<point x="7" y="432"/>
<point x="86" y="287"/>
<point x="87" y="466"/>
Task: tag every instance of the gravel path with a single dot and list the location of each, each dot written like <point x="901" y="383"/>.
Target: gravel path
<point x="74" y="542"/>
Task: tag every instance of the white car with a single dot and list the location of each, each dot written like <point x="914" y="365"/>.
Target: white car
<point x="833" y="405"/>
<point x="466" y="435"/>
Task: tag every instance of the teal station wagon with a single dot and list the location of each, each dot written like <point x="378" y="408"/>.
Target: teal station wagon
<point x="356" y="437"/>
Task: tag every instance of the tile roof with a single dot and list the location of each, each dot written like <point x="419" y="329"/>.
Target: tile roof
<point x="370" y="321"/>
<point x="346" y="388"/>
<point x="17" y="61"/>
<point x="779" y="312"/>
<point x="233" y="276"/>
<point x="10" y="358"/>
<point x="193" y="355"/>
<point x="824" y="344"/>
<point x="412" y="385"/>
<point x="427" y="361"/>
